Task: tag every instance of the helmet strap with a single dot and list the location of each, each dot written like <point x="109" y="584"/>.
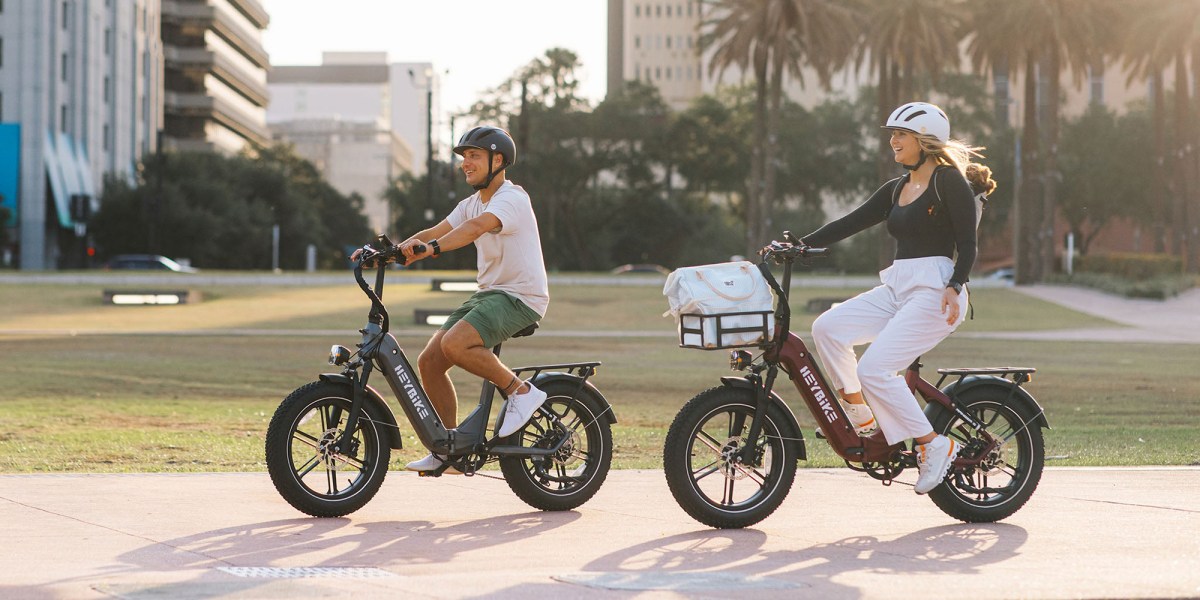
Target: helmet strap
<point x="919" y="162"/>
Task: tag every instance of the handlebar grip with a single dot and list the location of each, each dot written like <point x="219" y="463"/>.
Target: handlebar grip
<point x="815" y="251"/>
<point x="419" y="248"/>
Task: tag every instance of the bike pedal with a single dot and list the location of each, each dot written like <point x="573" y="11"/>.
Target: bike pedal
<point x="429" y="474"/>
<point x="820" y="434"/>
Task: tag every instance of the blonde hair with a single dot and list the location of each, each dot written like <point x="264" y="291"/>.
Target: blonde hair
<point x="958" y="154"/>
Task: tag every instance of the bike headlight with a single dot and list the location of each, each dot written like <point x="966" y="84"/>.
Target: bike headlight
<point x="739" y="360"/>
<point x="338" y="355"/>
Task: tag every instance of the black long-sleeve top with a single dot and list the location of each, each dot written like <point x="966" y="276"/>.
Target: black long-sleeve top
<point x="923" y="228"/>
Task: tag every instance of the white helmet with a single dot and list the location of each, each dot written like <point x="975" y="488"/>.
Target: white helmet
<point x="921" y="118"/>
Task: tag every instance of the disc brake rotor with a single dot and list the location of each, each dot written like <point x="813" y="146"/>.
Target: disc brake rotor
<point x="729" y="451"/>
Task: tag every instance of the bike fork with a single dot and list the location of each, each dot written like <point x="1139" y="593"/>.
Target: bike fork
<point x="357" y="384"/>
<point x="748" y="454"/>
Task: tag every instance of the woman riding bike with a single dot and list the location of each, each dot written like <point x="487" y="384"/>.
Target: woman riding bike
<point x="932" y="211"/>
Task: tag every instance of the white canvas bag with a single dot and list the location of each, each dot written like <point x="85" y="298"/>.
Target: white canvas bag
<point x="720" y="289"/>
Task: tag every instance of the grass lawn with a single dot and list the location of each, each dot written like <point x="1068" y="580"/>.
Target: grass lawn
<point x="142" y="399"/>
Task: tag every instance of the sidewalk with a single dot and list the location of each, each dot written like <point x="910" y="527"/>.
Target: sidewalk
<point x="1086" y="533"/>
<point x="1176" y="320"/>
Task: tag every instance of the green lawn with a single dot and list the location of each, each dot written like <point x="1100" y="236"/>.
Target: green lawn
<point x="149" y="401"/>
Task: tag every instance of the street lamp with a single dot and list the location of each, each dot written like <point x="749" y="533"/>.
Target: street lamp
<point x="428" y="79"/>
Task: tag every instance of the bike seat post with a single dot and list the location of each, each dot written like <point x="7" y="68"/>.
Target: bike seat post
<point x="496" y="349"/>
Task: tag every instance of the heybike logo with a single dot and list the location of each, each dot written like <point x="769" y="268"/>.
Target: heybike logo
<point x="411" y="390"/>
<point x="818" y="393"/>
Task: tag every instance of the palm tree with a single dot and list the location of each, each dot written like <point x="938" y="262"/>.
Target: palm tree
<point x="771" y="39"/>
<point x="1166" y="34"/>
<point x="903" y="39"/>
<point x="1041" y="38"/>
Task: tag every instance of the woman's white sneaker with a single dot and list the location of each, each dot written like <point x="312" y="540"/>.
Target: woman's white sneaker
<point x="933" y="461"/>
<point x="520" y="409"/>
<point x="430" y="463"/>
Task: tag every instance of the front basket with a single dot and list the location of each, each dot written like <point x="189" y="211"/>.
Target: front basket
<point x="727" y="330"/>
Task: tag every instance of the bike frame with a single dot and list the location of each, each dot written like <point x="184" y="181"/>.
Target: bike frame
<point x="380" y="350"/>
<point x="789" y="352"/>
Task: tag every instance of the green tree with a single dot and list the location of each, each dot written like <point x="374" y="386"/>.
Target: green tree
<point x="1039" y="38"/>
<point x="771" y="39"/>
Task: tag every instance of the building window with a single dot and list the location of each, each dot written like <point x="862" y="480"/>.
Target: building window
<point x="64" y="66"/>
<point x="1096" y="84"/>
<point x="1" y="50"/>
<point x="658" y="10"/>
<point x="668" y="42"/>
<point x="64" y="14"/>
<point x="108" y="37"/>
<point x="62" y="119"/>
<point x="668" y="10"/>
<point x="104" y="141"/>
<point x="107" y="89"/>
<point x="637" y="41"/>
<point x="689" y="9"/>
<point x="637" y="10"/>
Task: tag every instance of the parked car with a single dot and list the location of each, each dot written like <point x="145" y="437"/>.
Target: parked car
<point x="146" y="262"/>
<point x="1001" y="274"/>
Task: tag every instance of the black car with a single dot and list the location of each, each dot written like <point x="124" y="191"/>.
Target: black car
<point x="146" y="262"/>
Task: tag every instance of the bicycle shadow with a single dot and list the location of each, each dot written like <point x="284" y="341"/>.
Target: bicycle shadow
<point x="307" y="542"/>
<point x="720" y="562"/>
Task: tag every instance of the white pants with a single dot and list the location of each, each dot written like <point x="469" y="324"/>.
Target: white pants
<point x="902" y="319"/>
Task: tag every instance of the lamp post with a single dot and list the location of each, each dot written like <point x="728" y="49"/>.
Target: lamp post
<point x="428" y="83"/>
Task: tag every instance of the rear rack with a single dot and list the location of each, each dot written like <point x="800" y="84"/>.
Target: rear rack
<point x="1019" y="374"/>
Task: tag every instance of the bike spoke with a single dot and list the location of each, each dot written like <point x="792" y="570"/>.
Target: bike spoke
<point x="737" y="422"/>
<point x="728" y="498"/>
<point x="308" y="466"/>
<point x="709" y="441"/>
<point x="332" y="476"/>
<point x="708" y="469"/>
<point x="306" y="439"/>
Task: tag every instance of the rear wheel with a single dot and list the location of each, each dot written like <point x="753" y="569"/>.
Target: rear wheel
<point x="699" y="459"/>
<point x="302" y="456"/>
<point x="1008" y="475"/>
<point x="573" y="421"/>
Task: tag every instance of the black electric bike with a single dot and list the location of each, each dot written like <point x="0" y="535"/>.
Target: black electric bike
<point x="329" y="442"/>
<point x="730" y="455"/>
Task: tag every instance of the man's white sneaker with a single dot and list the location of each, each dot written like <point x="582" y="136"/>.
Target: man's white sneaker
<point x="861" y="418"/>
<point x="519" y="410"/>
<point x="430" y="463"/>
<point x="933" y="461"/>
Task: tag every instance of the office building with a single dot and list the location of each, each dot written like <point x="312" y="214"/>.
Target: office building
<point x="81" y="87"/>
<point x="216" y="75"/>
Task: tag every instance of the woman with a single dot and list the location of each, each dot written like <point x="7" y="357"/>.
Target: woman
<point x="932" y="212"/>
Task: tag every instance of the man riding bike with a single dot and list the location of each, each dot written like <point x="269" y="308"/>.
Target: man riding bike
<point x="498" y="218"/>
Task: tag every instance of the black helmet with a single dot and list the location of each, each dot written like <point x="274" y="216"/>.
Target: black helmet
<point x="492" y="140"/>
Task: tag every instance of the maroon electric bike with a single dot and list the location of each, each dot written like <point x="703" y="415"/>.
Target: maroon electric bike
<point x="731" y="453"/>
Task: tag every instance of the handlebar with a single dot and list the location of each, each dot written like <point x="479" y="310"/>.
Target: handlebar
<point x="786" y="253"/>
<point x="378" y="254"/>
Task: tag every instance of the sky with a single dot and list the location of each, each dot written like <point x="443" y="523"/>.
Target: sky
<point x="480" y="42"/>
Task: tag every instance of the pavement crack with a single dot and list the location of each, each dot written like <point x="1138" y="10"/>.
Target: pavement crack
<point x="1183" y="510"/>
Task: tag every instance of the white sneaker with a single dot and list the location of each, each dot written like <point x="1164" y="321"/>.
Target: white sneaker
<point x="861" y="418"/>
<point x="933" y="461"/>
<point x="430" y="463"/>
<point x="519" y="410"/>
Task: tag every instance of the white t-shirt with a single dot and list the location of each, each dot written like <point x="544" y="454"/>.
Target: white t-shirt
<point x="509" y="257"/>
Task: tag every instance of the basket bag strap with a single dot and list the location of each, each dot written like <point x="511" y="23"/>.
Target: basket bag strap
<point x="700" y="276"/>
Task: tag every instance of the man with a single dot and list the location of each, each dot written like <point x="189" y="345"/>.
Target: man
<point x="512" y="294"/>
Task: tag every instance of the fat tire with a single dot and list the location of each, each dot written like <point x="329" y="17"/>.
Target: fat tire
<point x="516" y="469"/>
<point x="1028" y="439"/>
<point x="374" y="451"/>
<point x="677" y="464"/>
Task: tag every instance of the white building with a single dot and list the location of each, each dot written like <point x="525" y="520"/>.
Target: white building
<point x="81" y="88"/>
<point x="361" y="120"/>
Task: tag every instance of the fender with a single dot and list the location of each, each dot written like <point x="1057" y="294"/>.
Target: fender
<point x="743" y="383"/>
<point x="555" y="377"/>
<point x="1021" y="396"/>
<point x="391" y="428"/>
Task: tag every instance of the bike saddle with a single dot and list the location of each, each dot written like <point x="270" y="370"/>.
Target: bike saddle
<point x="528" y="331"/>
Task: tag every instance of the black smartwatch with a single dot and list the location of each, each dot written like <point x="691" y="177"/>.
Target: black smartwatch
<point x="956" y="286"/>
<point x="437" y="248"/>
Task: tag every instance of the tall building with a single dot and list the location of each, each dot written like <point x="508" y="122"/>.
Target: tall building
<point x="656" y="42"/>
<point x="362" y="120"/>
<point x="216" y="75"/>
<point x="81" y="87"/>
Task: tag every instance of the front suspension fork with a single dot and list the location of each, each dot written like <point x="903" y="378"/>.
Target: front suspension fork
<point x="357" y="385"/>
<point x="749" y="453"/>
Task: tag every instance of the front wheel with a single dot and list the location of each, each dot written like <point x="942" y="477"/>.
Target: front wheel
<point x="1007" y="476"/>
<point x="303" y="458"/>
<point x="700" y="459"/>
<point x="574" y="421"/>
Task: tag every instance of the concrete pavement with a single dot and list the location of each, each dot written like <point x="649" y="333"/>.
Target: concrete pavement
<point x="1086" y="533"/>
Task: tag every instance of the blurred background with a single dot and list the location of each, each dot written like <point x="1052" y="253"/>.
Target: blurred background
<point x="276" y="134"/>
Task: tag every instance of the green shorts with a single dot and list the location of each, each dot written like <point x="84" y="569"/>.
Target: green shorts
<point x="495" y="315"/>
